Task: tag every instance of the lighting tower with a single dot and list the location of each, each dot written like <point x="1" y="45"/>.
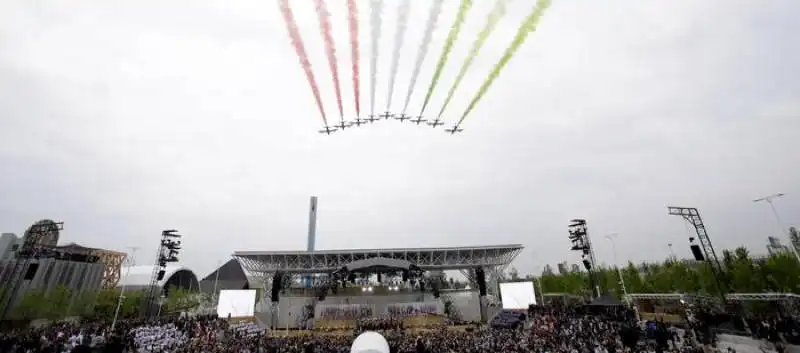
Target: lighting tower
<point x="32" y="248"/>
<point x="579" y="236"/>
<point x="168" y="249"/>
<point x="691" y="215"/>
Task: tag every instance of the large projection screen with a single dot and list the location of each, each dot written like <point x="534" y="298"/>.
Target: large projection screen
<point x="517" y="295"/>
<point x="236" y="303"/>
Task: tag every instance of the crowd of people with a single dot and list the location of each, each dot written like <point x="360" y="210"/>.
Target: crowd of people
<point x="547" y="330"/>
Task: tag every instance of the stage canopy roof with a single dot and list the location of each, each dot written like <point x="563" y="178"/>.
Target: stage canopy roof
<point x="324" y="261"/>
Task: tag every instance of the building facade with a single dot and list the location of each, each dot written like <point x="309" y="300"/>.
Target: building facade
<point x="19" y="277"/>
<point x="9" y="243"/>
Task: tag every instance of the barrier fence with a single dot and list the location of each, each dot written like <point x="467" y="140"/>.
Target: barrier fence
<point x="344" y="311"/>
<point x="414" y="309"/>
<point x="357" y="311"/>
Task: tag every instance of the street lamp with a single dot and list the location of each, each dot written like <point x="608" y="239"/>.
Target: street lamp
<point x="612" y="238"/>
<point x="768" y="200"/>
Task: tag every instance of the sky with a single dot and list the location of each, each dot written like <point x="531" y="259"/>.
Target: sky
<point x="123" y="118"/>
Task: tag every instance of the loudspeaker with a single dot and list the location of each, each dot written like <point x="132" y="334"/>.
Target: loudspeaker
<point x="697" y="252"/>
<point x="480" y="277"/>
<point x="276" y="287"/>
<point x="351" y="277"/>
<point x="587" y="265"/>
<point x="31" y="272"/>
<point x="379" y="277"/>
<point x="405" y="275"/>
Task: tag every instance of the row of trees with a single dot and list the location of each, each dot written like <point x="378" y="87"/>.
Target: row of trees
<point x="59" y="303"/>
<point x="742" y="274"/>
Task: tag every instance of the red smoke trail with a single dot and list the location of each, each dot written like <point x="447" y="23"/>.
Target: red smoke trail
<point x="354" y="53"/>
<point x="330" y="47"/>
<point x="300" y="48"/>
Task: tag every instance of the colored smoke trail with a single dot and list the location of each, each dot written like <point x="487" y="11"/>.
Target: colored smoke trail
<point x="448" y="46"/>
<point x="399" y="35"/>
<point x="375" y="26"/>
<point x="495" y="15"/>
<point x="352" y="16"/>
<point x="330" y="48"/>
<point x="300" y="48"/>
<point x="528" y="26"/>
<point x="430" y="25"/>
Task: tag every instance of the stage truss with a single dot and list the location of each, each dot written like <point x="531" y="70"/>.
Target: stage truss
<point x="111" y="260"/>
<point x="493" y="259"/>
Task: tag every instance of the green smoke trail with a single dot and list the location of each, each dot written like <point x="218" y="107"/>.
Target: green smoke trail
<point x="448" y="45"/>
<point x="528" y="26"/>
<point x="491" y="22"/>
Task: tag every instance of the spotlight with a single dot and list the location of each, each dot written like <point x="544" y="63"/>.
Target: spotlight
<point x="369" y="289"/>
<point x="363" y="289"/>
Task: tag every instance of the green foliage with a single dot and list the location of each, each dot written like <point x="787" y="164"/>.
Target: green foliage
<point x="83" y="304"/>
<point x="60" y="302"/>
<point x="776" y="273"/>
<point x="180" y="300"/>
<point x="57" y="303"/>
<point x="30" y="305"/>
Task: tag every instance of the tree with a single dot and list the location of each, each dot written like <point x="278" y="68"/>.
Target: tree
<point x="30" y="305"/>
<point x="132" y="302"/>
<point x="105" y="303"/>
<point x="179" y="299"/>
<point x="57" y="303"/>
<point x="83" y="304"/>
<point x="742" y="273"/>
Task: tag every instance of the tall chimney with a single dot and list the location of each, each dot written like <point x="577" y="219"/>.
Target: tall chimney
<point x="312" y="224"/>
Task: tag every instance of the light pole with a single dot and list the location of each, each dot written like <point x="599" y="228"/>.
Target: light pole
<point x="131" y="261"/>
<point x="612" y="238"/>
<point x="672" y="253"/>
<point x="541" y="293"/>
<point x="768" y="200"/>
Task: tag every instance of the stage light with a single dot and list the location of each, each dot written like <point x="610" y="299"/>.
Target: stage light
<point x="363" y="289"/>
<point x="369" y="289"/>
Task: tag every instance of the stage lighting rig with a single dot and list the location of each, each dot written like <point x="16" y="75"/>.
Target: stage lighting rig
<point x="708" y="254"/>
<point x="168" y="250"/>
<point x="579" y="236"/>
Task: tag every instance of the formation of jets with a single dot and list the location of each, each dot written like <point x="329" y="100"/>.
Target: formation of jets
<point x="358" y="121"/>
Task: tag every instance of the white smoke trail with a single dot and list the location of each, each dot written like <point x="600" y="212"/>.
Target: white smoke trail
<point x="430" y="26"/>
<point x="400" y="31"/>
<point x="376" y="7"/>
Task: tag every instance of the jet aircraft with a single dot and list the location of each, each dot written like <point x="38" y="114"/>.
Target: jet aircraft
<point x="386" y="115"/>
<point x="418" y="120"/>
<point x="402" y="117"/>
<point x="436" y="122"/>
<point x="343" y="125"/>
<point x="453" y="130"/>
<point x="358" y="121"/>
<point x="327" y="130"/>
<point x="373" y="118"/>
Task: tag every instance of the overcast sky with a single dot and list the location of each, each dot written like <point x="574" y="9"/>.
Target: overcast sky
<point x="123" y="118"/>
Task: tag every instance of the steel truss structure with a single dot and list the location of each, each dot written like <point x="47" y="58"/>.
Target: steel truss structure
<point x="264" y="264"/>
<point x="766" y="297"/>
<point x="692" y="215"/>
<point x="730" y="297"/>
<point x="111" y="260"/>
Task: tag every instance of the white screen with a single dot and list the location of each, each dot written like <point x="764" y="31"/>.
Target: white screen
<point x="236" y="303"/>
<point x="517" y="295"/>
